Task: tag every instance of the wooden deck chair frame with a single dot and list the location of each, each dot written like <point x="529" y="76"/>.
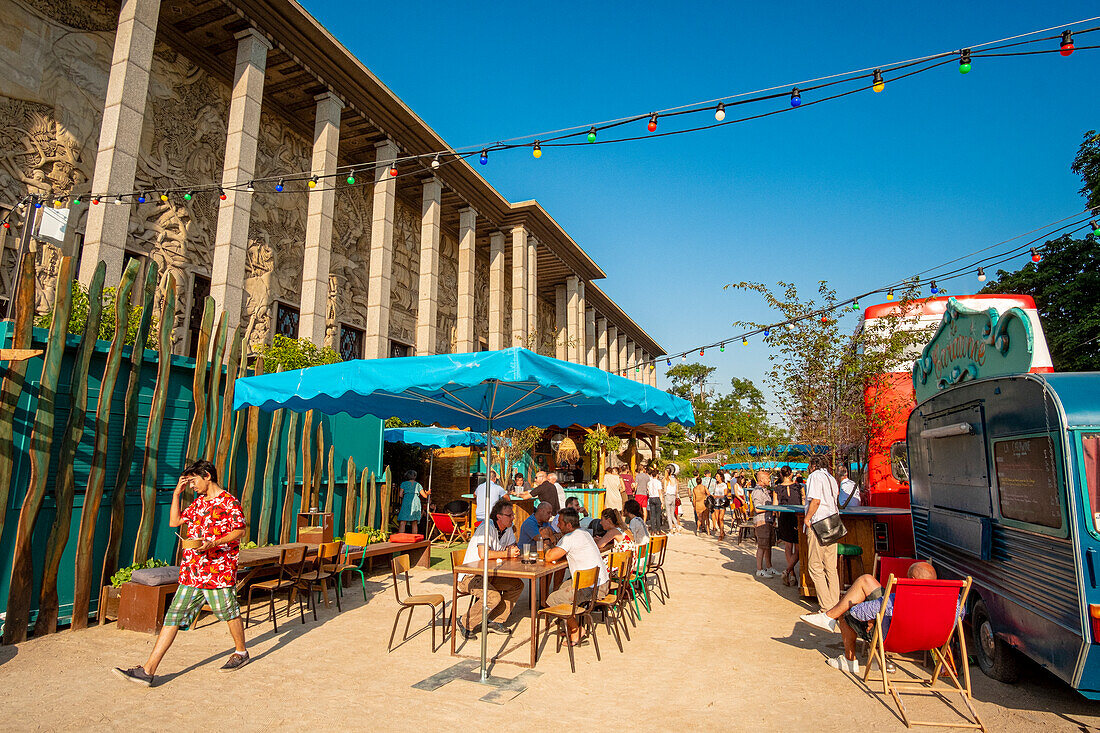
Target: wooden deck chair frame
<point x="944" y="664"/>
<point x="450" y="536"/>
<point x="581" y="612"/>
<point x="613" y="604"/>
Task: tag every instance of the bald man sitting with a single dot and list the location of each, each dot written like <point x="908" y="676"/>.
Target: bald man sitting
<point x="856" y="613"/>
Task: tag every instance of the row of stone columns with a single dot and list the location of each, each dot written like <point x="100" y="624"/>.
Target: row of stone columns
<point x="580" y="335"/>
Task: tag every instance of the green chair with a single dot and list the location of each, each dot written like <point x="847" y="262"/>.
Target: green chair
<point x="847" y="553"/>
<point x="357" y="539"/>
<point x="637" y="582"/>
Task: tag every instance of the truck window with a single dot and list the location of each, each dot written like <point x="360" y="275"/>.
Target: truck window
<point x="1090" y="455"/>
<point x="899" y="461"/>
<point x="1027" y="480"/>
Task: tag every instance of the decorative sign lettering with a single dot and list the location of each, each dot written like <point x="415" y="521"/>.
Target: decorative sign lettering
<point x="972" y="344"/>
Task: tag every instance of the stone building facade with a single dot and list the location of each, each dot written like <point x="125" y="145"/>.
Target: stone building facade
<point x="169" y="98"/>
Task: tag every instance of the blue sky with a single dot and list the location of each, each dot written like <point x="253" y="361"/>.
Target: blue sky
<point x="860" y="191"/>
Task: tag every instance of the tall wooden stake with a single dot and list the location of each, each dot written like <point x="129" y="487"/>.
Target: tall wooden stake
<point x="291" y="478"/>
<point x="213" y="386"/>
<point x="370" y="503"/>
<point x="233" y="365"/>
<point x="22" y="568"/>
<point x="14" y="376"/>
<point x="307" y="462"/>
<point x="317" y="464"/>
<point x="198" y="383"/>
<point x="253" y="448"/>
<point x="267" y="496"/>
<point x="349" y="498"/>
<point x="331" y="479"/>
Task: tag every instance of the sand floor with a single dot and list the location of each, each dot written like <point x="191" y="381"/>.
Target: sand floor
<point x="726" y="652"/>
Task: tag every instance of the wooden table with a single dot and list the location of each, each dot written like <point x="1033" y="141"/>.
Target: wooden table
<point x="510" y="568"/>
<point x="257" y="559"/>
<point x="860" y="523"/>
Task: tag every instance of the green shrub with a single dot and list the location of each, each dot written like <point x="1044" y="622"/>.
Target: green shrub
<point x="123" y="575"/>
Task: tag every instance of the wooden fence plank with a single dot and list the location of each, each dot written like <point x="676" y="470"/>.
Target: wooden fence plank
<point x="198" y="384"/>
<point x="233" y="365"/>
<point x="331" y="479"/>
<point x="129" y="430"/>
<point x="64" y="483"/>
<point x="349" y="499"/>
<point x="387" y="490"/>
<point x="93" y="495"/>
<point x="362" y="499"/>
<point x="291" y="478"/>
<point x="317" y="464"/>
<point x="213" y="385"/>
<point x="307" y="462"/>
<point x="18" y="610"/>
<point x="14" y="377"/>
<point x="267" y="495"/>
<point x="370" y="502"/>
<point x="165" y="337"/>
<point x="253" y="448"/>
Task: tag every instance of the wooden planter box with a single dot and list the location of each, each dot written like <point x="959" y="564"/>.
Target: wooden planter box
<point x="108" y="603"/>
<point x="142" y="607"/>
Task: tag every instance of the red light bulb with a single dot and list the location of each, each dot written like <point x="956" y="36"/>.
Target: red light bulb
<point x="652" y="126"/>
<point x="1067" y="43"/>
<point x="1035" y="256"/>
<point x="7" y="225"/>
<point x="393" y="171"/>
<point x="221" y="194"/>
<point x="824" y="319"/>
<point x="700" y="352"/>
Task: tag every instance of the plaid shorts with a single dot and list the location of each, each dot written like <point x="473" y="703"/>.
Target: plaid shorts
<point x="188" y="600"/>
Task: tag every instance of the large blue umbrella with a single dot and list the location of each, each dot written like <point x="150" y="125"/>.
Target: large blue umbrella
<point x="512" y="388"/>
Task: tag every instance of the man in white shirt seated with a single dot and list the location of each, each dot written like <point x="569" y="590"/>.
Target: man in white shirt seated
<point x="847" y="488"/>
<point x="553" y="477"/>
<point x="503" y="592"/>
<point x="580" y="551"/>
<point x="496" y="493"/>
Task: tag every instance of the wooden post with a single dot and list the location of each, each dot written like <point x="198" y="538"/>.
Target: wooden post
<point x="22" y="568"/>
<point x="156" y="420"/>
<point x="363" y="500"/>
<point x="93" y="495"/>
<point x="291" y="478"/>
<point x="253" y="446"/>
<point x="198" y="384"/>
<point x="307" y="462"/>
<point x="129" y="429"/>
<point x="213" y="386"/>
<point x="370" y="502"/>
<point x="233" y="365"/>
<point x="317" y="464"/>
<point x="14" y="377"/>
<point x="71" y="437"/>
<point x="387" y="489"/>
<point x="331" y="479"/>
<point x="349" y="499"/>
<point x="267" y="497"/>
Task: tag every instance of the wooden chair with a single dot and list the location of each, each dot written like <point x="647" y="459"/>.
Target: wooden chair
<point x="926" y="616"/>
<point x="657" y="549"/>
<point x="561" y="613"/>
<point x="292" y="562"/>
<point x="613" y="604"/>
<point x="328" y="555"/>
<point x="637" y="584"/>
<point x="400" y="567"/>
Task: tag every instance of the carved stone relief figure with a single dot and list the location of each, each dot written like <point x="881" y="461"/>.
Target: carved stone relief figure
<point x="349" y="265"/>
<point x="405" y="288"/>
<point x="547" y="330"/>
<point x="447" y="321"/>
<point x="508" y="310"/>
<point x="481" y="296"/>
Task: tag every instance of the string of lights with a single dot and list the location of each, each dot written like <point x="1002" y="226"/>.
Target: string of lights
<point x="418" y="163"/>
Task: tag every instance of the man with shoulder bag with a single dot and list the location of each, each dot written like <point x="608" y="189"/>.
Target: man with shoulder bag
<point x="823" y="530"/>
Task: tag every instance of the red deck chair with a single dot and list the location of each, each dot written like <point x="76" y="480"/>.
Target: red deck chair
<point x="925" y="618"/>
<point x="886" y="566"/>
<point x="451" y="529"/>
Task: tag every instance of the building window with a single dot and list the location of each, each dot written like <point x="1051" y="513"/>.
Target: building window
<point x="398" y="349"/>
<point x="143" y="267"/>
<point x="482" y="345"/>
<point x="286" y="320"/>
<point x="351" y="343"/>
<point x="200" y="288"/>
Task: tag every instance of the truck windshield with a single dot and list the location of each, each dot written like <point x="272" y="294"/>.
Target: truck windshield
<point x="899" y="461"/>
<point x="1090" y="453"/>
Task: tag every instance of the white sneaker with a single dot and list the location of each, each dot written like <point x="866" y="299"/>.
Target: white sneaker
<point x="773" y="573"/>
<point x="820" y="620"/>
<point x="762" y="574"/>
<point x="845" y="665"/>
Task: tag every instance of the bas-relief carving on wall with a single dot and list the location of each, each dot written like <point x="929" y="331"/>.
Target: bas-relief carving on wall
<point x="447" y="321"/>
<point x="481" y="296"/>
<point x="405" y="287"/>
<point x="508" y="337"/>
<point x="547" y="328"/>
<point x="349" y="263"/>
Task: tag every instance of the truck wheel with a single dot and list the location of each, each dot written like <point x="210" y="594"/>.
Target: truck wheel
<point x="996" y="657"/>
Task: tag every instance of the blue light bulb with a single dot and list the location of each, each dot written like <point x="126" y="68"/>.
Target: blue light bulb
<point x="484" y="157"/>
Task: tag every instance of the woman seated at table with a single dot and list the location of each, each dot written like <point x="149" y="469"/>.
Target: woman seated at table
<point x="632" y="513"/>
<point x="616" y="533"/>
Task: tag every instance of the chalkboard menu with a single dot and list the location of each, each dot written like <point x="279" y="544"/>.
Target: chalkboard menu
<point x="1027" y="480"/>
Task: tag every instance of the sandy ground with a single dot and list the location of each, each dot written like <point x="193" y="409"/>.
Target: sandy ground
<point x="726" y="652"/>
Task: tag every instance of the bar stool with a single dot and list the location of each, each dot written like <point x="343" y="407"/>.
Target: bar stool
<point x="847" y="553"/>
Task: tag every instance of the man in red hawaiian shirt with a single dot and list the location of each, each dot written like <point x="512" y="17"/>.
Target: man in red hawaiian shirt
<point x="207" y="574"/>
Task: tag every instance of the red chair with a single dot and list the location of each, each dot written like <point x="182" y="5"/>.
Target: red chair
<point x="451" y="529"/>
<point x="896" y="566"/>
<point x="926" y="617"/>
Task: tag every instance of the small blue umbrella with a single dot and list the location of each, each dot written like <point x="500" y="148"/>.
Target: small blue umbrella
<point x="511" y="388"/>
<point x="429" y="437"/>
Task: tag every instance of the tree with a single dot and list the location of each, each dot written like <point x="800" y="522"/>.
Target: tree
<point x="598" y="443"/>
<point x="515" y="445"/>
<point x="287" y="353"/>
<point x="1086" y="164"/>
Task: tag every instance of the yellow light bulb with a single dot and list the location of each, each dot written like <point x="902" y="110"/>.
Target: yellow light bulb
<point x="879" y="87"/>
<point x="312" y="183"/>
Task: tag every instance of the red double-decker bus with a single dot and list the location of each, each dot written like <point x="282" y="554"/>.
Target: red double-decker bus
<point x="889" y="399"/>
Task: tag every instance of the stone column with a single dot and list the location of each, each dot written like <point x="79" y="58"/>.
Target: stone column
<point x="381" y="253"/>
<point x="639" y="356"/>
<point x="427" y="308"/>
<point x="561" y="320"/>
<point x="318" y="245"/>
<point x="533" y="290"/>
<point x="631" y="360"/>
<point x="520" y="262"/>
<point x="645" y="367"/>
<point x="620" y="367"/>
<point x="582" y="342"/>
<point x="467" y="232"/>
<point x="590" y="336"/>
<point x="243" y="129"/>
<point x="572" y="322"/>
<point x="120" y="138"/>
<point x="496" y="291"/>
<point x="602" y="360"/>
<point x="613" y="349"/>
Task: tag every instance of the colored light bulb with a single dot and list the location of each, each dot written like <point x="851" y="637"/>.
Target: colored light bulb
<point x="722" y="348"/>
<point x="1067" y="43"/>
<point x="280" y="185"/>
<point x="796" y="97"/>
<point x="652" y="367"/>
<point x="1035" y="256"/>
<point x="351" y="178"/>
<point x="669" y="361"/>
<point x="637" y="369"/>
<point x="537" y="150"/>
<point x="767" y="332"/>
<point x="744" y="342"/>
<point x="435" y="161"/>
<point x="932" y="287"/>
<point x="981" y="274"/>
<point x="312" y="182"/>
<point x="720" y="113"/>
<point x="187" y="196"/>
<point x="964" y="62"/>
<point x="878" y="84"/>
<point x="7" y="225"/>
<point x="141" y="197"/>
<point x="76" y="201"/>
<point x="95" y="201"/>
<point x="484" y="157"/>
<point x="683" y="357"/>
<point x="700" y="352"/>
<point x="592" y="134"/>
<point x="221" y="194"/>
<point x="251" y="187"/>
<point x="652" y="126"/>
<point x="824" y="319"/>
<point x="1095" y="227"/>
<point x="393" y="170"/>
<point x="118" y="200"/>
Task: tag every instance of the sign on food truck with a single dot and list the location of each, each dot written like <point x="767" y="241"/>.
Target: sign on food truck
<point x="971" y="344"/>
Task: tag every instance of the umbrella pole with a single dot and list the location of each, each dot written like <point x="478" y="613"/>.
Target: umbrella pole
<point x="485" y="567"/>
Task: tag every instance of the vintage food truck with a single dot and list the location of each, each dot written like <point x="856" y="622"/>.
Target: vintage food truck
<point x="1004" y="469"/>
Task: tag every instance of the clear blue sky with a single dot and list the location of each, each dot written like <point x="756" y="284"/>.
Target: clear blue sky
<point x="861" y="191"/>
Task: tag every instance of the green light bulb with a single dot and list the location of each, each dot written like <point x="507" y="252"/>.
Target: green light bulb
<point x="351" y="180"/>
<point x="592" y="135"/>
